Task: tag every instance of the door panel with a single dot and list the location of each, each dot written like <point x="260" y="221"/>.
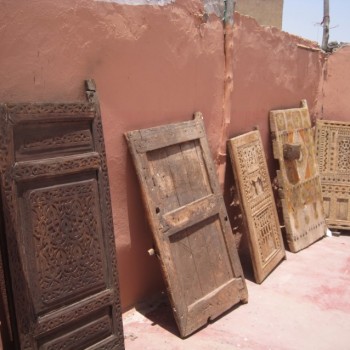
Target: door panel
<point x="55" y="139"/>
<point x="333" y="147"/>
<point x="293" y="146"/>
<point x="257" y="203"/>
<point x="189" y="221"/>
<point x="59" y="226"/>
<point x="79" y="266"/>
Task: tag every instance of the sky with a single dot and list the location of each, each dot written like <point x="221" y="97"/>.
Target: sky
<point x="303" y="18"/>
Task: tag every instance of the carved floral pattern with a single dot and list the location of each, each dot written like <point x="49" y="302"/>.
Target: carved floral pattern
<point x="73" y="138"/>
<point x="50" y="108"/>
<point x="68" y="251"/>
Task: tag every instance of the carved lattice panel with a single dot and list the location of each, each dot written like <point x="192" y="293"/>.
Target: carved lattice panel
<point x="333" y="152"/>
<point x="59" y="227"/>
<point x="257" y="203"/>
<point x="298" y="177"/>
<point x="189" y="221"/>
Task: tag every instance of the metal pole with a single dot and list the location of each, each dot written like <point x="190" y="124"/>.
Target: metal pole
<point x="325" y="23"/>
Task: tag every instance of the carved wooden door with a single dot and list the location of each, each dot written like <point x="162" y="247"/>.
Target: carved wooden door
<point x="333" y="152"/>
<point x="59" y="227"/>
<point x="293" y="146"/>
<point x="257" y="203"/>
<point x="189" y="222"/>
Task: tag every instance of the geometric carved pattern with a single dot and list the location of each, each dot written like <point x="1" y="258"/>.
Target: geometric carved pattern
<point x="59" y="227"/>
<point x="56" y="139"/>
<point x="73" y="139"/>
<point x="257" y="203"/>
<point x="31" y="170"/>
<point x="344" y="154"/>
<point x="189" y="221"/>
<point x="298" y="176"/>
<point x="333" y="152"/>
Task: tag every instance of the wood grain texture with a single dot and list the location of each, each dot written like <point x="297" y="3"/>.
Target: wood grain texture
<point x="58" y="224"/>
<point x="190" y="227"/>
<point x="333" y="152"/>
<point x="257" y="203"/>
<point x="298" y="178"/>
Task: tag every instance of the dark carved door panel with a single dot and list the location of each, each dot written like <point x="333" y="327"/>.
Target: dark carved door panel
<point x="333" y="147"/>
<point x="299" y="178"/>
<point x="257" y="203"/>
<point x="59" y="227"/>
<point x="189" y="222"/>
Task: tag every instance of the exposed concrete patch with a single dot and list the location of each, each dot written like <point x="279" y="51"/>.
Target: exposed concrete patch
<point x="215" y="6"/>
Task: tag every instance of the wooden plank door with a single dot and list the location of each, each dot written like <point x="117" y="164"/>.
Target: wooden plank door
<point x="189" y="222"/>
<point x="257" y="203"/>
<point x="59" y="227"/>
<point x="333" y="149"/>
<point x="298" y="177"/>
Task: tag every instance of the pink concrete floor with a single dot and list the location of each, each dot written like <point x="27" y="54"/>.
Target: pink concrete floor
<point x="304" y="304"/>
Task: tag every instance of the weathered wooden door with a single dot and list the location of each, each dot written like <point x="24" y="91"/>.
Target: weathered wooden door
<point x="189" y="222"/>
<point x="257" y="203"/>
<point x="333" y="152"/>
<point x="293" y="146"/>
<point x="59" y="228"/>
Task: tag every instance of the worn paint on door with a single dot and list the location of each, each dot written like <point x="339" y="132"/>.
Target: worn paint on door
<point x="298" y="177"/>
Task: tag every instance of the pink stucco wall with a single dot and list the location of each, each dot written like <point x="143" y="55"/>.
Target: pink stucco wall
<point x="335" y="91"/>
<point x="270" y="72"/>
<point x="154" y="65"/>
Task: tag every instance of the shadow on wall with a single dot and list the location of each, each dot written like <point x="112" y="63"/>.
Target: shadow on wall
<point x="142" y="269"/>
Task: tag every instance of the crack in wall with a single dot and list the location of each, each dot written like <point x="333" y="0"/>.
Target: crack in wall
<point x="220" y="160"/>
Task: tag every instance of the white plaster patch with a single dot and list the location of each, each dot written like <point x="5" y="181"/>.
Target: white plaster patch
<point x="215" y="6"/>
<point x="140" y="2"/>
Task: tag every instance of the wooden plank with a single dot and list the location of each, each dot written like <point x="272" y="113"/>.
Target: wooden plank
<point x="332" y="148"/>
<point x="257" y="203"/>
<point x="194" y="235"/>
<point x="58" y="318"/>
<point x="189" y="222"/>
<point x="200" y="186"/>
<point x="191" y="214"/>
<point x="298" y="178"/>
<point x="98" y="328"/>
<point x="146" y="141"/>
<point x="59" y="226"/>
<point x="180" y="250"/>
